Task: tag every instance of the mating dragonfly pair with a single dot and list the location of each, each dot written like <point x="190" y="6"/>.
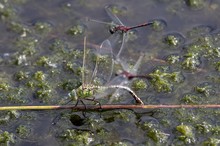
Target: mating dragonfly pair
<point x="98" y="64"/>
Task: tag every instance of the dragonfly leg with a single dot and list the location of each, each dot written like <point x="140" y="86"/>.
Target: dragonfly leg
<point x="96" y="101"/>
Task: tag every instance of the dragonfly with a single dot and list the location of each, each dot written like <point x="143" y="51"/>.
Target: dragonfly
<point x="97" y="70"/>
<point x="118" y="30"/>
<point x="123" y="78"/>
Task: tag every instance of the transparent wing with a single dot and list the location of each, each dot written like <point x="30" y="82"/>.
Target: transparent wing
<point x="98" y="64"/>
<point x="114" y="18"/>
<point x="105" y="61"/>
<point x="117" y="43"/>
<point x="89" y="64"/>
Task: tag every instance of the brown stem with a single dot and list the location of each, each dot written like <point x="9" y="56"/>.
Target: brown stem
<point x="105" y="107"/>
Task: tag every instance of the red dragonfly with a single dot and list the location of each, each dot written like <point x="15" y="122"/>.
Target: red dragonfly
<point x="118" y="29"/>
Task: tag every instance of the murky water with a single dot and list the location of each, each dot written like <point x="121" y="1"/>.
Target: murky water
<point x="41" y="54"/>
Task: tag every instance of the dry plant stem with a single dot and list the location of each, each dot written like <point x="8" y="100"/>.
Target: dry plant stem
<point x="105" y="107"/>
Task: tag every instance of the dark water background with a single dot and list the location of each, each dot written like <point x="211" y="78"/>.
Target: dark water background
<point x="40" y="58"/>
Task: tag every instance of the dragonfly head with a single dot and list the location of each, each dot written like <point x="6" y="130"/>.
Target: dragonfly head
<point x="112" y="29"/>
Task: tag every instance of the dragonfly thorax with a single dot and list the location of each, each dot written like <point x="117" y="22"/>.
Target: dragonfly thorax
<point x="84" y="92"/>
<point x="121" y="28"/>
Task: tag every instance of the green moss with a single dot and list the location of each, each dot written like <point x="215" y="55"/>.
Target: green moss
<point x="198" y="31"/>
<point x="115" y="9"/>
<point x="158" y="25"/>
<point x="6" y="11"/>
<point x="44" y="61"/>
<point x="191" y="61"/>
<point x="196" y="4"/>
<point x="78" y="137"/>
<point x="23" y="131"/>
<point x="30" y="84"/>
<point x="42" y="27"/>
<point x="69" y="66"/>
<point x="76" y="30"/>
<point x="16" y="95"/>
<point x="211" y="142"/>
<point x="205" y="89"/>
<point x="44" y="94"/>
<point x="58" y="45"/>
<point x="191" y="99"/>
<point x="173" y="59"/>
<point x="19" y="28"/>
<point x="216" y="130"/>
<point x="9" y="115"/>
<point x="187" y="134"/>
<point x="217" y="66"/>
<point x="21" y="75"/>
<point x="6" y="138"/>
<point x="172" y="40"/>
<point x="26" y="46"/>
<point x="131" y="35"/>
<point x="4" y="87"/>
<point x="139" y="84"/>
<point x="212" y="52"/>
<point x="158" y="136"/>
<point x="163" y="82"/>
<point x="39" y="76"/>
<point x="204" y="127"/>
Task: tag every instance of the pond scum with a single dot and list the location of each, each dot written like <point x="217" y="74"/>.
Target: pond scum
<point x="39" y="69"/>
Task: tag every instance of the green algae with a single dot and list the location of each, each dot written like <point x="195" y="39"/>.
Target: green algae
<point x="76" y="137"/>
<point x="139" y="84"/>
<point x="6" y="138"/>
<point x="164" y="81"/>
<point x="76" y="30"/>
<point x="191" y="61"/>
<point x="23" y="131"/>
<point x="191" y="99"/>
<point x="187" y="135"/>
<point x="173" y="59"/>
<point x="196" y="4"/>
<point x="172" y="40"/>
<point x="42" y="27"/>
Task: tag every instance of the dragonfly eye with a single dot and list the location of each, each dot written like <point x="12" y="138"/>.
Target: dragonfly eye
<point x="112" y="30"/>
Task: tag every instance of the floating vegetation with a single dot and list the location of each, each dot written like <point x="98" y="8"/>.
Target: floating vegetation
<point x="174" y="39"/>
<point x="187" y="135"/>
<point x="77" y="137"/>
<point x="139" y="84"/>
<point x="6" y="138"/>
<point x="76" y="30"/>
<point x="163" y="81"/>
<point x="196" y="4"/>
<point x="191" y="99"/>
<point x="158" y="25"/>
<point x="191" y="61"/>
<point x="23" y="131"/>
<point x="42" y="27"/>
<point x="173" y="59"/>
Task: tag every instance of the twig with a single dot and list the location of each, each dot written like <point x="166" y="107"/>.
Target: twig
<point x="104" y="107"/>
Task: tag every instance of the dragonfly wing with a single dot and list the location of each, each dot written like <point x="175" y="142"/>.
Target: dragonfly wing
<point x="103" y="66"/>
<point x="118" y="80"/>
<point x="106" y="68"/>
<point x="135" y="68"/>
<point x="114" y="18"/>
<point x="89" y="65"/>
<point x="116" y="41"/>
<point x="124" y="37"/>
